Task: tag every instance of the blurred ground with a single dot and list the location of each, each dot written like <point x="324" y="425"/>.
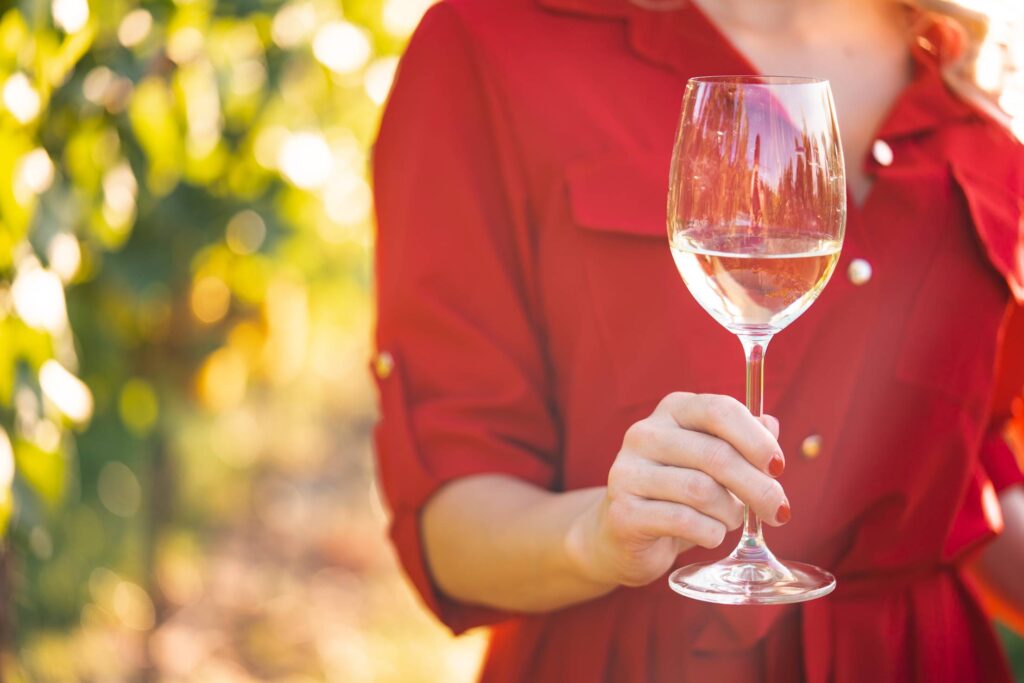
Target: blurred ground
<point x="287" y="577"/>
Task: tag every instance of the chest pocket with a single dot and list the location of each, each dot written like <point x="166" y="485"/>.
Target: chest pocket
<point x="953" y="321"/>
<point x="656" y="337"/>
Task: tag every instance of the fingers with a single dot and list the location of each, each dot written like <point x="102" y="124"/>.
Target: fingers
<point x="723" y="463"/>
<point x="690" y="487"/>
<point x="772" y="423"/>
<point x="710" y="454"/>
<point x="659" y="518"/>
<point x="729" y="420"/>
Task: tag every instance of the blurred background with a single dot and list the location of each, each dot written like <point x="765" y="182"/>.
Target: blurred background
<point x="185" y="317"/>
<point x="186" y="481"/>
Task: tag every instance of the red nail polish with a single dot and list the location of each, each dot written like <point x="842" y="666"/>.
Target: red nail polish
<point x="782" y="515"/>
<point x="776" y="466"/>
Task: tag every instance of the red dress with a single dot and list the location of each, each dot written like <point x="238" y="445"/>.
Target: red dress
<point x="529" y="312"/>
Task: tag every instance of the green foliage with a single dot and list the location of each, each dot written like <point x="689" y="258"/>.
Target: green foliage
<point x="1015" y="650"/>
<point x="184" y="222"/>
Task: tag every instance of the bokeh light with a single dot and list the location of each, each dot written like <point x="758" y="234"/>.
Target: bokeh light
<point x="400" y="17"/>
<point x="135" y="27"/>
<point x="33" y="175"/>
<point x="184" y="45"/>
<point x="379" y="76"/>
<point x="305" y="159"/>
<point x="119" y="489"/>
<point x="21" y="98"/>
<point x="223" y="380"/>
<point x="210" y="298"/>
<point x="70" y="394"/>
<point x="64" y="255"/>
<point x="294" y="23"/>
<point x="70" y="15"/>
<point x="138" y="406"/>
<point x="119" y="189"/>
<point x="245" y="232"/>
<point x="6" y="466"/>
<point x="38" y="296"/>
<point x="342" y="47"/>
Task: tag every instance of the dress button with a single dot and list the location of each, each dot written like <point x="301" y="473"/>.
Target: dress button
<point x="383" y="364"/>
<point x="859" y="271"/>
<point x="882" y="152"/>
<point x="811" y="447"/>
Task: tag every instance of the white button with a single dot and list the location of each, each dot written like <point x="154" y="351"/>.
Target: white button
<point x="383" y="364"/>
<point x="859" y="271"/>
<point x="882" y="152"/>
<point x="811" y="447"/>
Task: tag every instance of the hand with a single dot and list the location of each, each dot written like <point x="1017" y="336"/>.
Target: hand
<point x="679" y="480"/>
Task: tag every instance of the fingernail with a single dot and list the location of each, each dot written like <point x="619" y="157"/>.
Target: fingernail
<point x="782" y="515"/>
<point x="776" y="466"/>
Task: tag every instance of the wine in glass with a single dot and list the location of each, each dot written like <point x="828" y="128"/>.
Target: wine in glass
<point x="756" y="217"/>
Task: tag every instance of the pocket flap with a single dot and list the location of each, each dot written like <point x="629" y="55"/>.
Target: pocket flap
<point x="621" y="194"/>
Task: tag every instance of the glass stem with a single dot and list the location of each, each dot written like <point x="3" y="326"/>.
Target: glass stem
<point x="751" y="545"/>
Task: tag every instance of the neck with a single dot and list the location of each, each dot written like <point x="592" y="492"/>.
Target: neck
<point x="790" y="16"/>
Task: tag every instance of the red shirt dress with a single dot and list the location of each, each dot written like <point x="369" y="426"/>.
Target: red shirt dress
<point x="529" y="311"/>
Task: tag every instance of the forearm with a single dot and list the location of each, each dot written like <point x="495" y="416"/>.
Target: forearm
<point x="997" y="570"/>
<point x="680" y="479"/>
<point x="498" y="541"/>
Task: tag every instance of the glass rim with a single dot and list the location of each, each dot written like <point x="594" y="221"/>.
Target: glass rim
<point x="750" y="79"/>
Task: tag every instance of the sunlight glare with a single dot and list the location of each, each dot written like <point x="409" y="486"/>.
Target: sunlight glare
<point x="401" y="17"/>
<point x="293" y="24"/>
<point x="64" y="255"/>
<point x="6" y="464"/>
<point x="38" y="296"/>
<point x="119" y="191"/>
<point x="342" y="47"/>
<point x="33" y="175"/>
<point x="70" y="15"/>
<point x="378" y="78"/>
<point x="20" y="98"/>
<point x="305" y="160"/>
<point x="70" y="394"/>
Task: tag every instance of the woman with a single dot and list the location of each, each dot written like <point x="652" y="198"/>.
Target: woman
<point x="557" y="430"/>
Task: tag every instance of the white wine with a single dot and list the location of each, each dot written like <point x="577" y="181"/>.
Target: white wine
<point x="755" y="286"/>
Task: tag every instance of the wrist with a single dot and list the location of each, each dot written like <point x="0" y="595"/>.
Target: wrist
<point x="581" y="544"/>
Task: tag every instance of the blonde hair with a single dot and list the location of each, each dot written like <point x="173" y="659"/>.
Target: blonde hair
<point x="979" y="59"/>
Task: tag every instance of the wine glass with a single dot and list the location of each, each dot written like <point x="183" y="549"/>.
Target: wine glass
<point x="756" y="217"/>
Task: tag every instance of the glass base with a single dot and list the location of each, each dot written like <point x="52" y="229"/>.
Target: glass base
<point x="743" y="581"/>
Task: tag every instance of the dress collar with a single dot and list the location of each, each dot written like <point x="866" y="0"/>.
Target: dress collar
<point x="682" y="38"/>
<point x="594" y="8"/>
<point x="678" y="37"/>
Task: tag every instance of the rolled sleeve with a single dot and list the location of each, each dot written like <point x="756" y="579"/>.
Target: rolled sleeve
<point x="460" y="369"/>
